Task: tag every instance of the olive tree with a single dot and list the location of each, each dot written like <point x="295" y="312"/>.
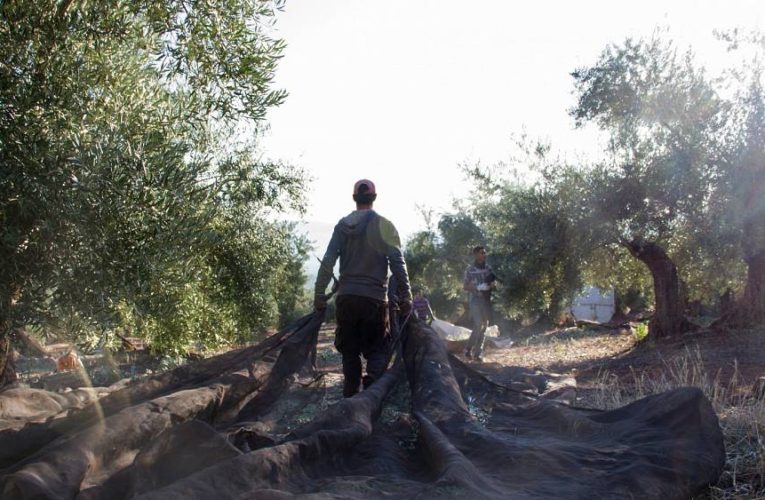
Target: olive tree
<point x="663" y="118"/>
<point x="127" y="140"/>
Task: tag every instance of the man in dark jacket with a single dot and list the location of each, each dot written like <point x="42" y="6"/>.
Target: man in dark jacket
<point x="367" y="244"/>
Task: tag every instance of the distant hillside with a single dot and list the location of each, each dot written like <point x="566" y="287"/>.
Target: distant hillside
<point x="319" y="233"/>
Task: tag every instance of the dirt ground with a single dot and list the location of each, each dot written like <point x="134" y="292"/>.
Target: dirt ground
<point x="573" y="353"/>
<point x="587" y="354"/>
<point x="580" y="354"/>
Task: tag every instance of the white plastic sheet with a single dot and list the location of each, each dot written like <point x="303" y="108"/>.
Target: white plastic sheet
<point x="448" y="331"/>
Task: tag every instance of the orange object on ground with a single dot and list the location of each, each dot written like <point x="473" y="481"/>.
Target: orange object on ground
<point x="69" y="361"/>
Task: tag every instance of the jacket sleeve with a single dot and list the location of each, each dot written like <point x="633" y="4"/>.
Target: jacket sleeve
<point x="467" y="282"/>
<point x="328" y="263"/>
<point x="396" y="260"/>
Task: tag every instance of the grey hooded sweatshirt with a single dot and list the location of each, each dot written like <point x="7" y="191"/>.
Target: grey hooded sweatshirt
<point x="366" y="244"/>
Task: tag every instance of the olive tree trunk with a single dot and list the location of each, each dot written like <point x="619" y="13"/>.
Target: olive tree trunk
<point x="7" y="367"/>
<point x="669" y="317"/>
<point x="749" y="310"/>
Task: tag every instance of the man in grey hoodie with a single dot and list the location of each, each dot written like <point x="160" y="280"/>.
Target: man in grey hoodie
<point x="367" y="244"/>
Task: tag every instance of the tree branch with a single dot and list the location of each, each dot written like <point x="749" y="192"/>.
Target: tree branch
<point x="63" y="8"/>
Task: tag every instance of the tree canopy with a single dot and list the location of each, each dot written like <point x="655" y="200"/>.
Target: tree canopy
<point x="670" y="210"/>
<point x="133" y="195"/>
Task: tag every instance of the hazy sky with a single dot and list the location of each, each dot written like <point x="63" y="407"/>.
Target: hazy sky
<point x="402" y="92"/>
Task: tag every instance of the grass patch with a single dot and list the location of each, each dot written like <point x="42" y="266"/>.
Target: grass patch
<point x="640" y="331"/>
<point x="479" y="413"/>
<point x="330" y="357"/>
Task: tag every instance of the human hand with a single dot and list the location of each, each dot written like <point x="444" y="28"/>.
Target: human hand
<point x="405" y="307"/>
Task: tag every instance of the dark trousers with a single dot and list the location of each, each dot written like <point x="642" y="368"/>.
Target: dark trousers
<point x="361" y="330"/>
<point x="480" y="312"/>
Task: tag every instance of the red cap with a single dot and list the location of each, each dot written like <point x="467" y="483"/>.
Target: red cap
<point x="364" y="182"/>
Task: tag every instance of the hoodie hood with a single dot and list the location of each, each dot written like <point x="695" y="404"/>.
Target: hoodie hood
<point x="367" y="245"/>
<point x="356" y="222"/>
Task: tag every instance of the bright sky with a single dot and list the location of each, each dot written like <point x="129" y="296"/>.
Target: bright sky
<point x="402" y="92"/>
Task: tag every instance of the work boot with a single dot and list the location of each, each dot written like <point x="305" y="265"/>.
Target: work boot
<point x="367" y="380"/>
<point x="467" y="354"/>
<point x="351" y="375"/>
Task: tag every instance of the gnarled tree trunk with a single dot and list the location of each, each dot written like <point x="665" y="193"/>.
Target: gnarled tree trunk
<point x="7" y="368"/>
<point x="752" y="306"/>
<point x="26" y="344"/>
<point x="749" y="310"/>
<point x="669" y="317"/>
